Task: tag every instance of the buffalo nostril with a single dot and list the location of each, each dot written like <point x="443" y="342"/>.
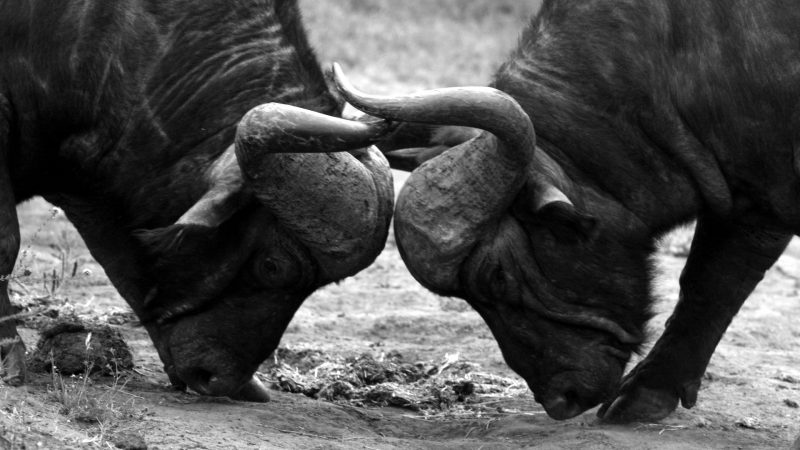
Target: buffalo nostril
<point x="216" y="384"/>
<point x="563" y="406"/>
<point x="572" y="396"/>
<point x="199" y="379"/>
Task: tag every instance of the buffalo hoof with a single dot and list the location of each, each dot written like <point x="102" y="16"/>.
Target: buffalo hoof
<point x="174" y="379"/>
<point x="12" y="363"/>
<point x="639" y="404"/>
<point x="252" y="391"/>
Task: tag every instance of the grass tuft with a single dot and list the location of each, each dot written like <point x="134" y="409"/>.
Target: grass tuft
<point x="104" y="408"/>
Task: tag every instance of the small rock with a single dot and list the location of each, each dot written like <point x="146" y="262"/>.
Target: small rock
<point x="788" y="379"/>
<point x="129" y="441"/>
<point x="89" y="415"/>
<point x="790" y="403"/>
<point x="748" y="422"/>
<point x="701" y="422"/>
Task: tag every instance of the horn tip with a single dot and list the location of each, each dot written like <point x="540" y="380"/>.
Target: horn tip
<point x="343" y="85"/>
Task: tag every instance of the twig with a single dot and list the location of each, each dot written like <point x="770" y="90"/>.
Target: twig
<point x="662" y="426"/>
<point x="22" y="315"/>
<point x="409" y="416"/>
<point x="671" y="428"/>
<point x="302" y="433"/>
<point x="120" y="391"/>
<point x="8" y="341"/>
<point x="54" y="211"/>
<point x="21" y="285"/>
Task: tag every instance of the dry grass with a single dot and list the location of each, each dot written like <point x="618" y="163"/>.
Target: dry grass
<point x="50" y="263"/>
<point x="104" y="409"/>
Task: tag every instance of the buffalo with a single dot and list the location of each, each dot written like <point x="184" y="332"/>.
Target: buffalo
<point x="610" y="124"/>
<point x="213" y="209"/>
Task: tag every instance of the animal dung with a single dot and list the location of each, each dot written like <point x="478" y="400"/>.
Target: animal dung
<point x="72" y="347"/>
<point x="448" y="386"/>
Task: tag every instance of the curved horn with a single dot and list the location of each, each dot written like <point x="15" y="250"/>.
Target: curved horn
<point x="448" y="204"/>
<point x="338" y="204"/>
<point x="289" y="129"/>
<point x="479" y="107"/>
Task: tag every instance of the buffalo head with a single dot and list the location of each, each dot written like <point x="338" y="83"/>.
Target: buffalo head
<point x="299" y="201"/>
<point x="495" y="221"/>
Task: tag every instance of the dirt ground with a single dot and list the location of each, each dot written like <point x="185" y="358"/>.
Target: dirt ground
<point x="749" y="397"/>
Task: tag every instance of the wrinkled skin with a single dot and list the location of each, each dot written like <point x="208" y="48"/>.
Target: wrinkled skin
<point x="646" y="115"/>
<point x="500" y="268"/>
<point x="213" y="227"/>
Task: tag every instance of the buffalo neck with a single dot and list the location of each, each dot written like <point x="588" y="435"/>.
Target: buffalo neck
<point x="612" y="160"/>
<point x="134" y="101"/>
<point x="605" y="111"/>
<point x="121" y="108"/>
<point x="664" y="107"/>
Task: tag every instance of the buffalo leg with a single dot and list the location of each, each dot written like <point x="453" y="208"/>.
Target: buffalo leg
<point x="12" y="350"/>
<point x="726" y="262"/>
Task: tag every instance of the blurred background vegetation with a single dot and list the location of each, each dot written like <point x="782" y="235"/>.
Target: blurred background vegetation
<point x="390" y="46"/>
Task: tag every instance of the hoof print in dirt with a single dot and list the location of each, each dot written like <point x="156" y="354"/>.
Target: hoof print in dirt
<point x="74" y="347"/>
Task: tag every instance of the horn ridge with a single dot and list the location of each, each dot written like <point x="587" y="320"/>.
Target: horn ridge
<point x="481" y="107"/>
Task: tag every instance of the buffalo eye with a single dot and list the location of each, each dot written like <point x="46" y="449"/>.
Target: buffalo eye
<point x="493" y="285"/>
<point x="502" y="285"/>
<point x="269" y="268"/>
<point x="276" y="270"/>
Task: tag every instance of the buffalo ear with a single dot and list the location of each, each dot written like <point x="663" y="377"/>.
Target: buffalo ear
<point x="411" y="144"/>
<point x="176" y="239"/>
<point x="565" y="222"/>
<point x="545" y="202"/>
<point x="197" y="228"/>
